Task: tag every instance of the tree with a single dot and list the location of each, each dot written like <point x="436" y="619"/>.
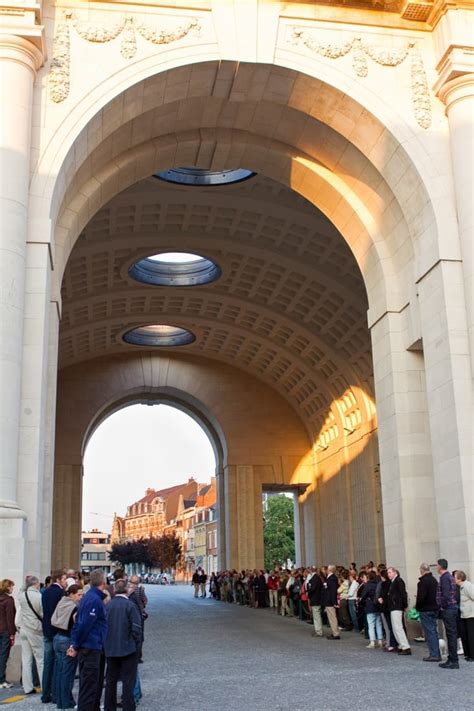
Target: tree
<point x="278" y="531"/>
<point x="130" y="552"/>
<point x="165" y="551"/>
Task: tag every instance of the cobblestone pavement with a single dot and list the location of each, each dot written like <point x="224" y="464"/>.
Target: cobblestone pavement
<point x="202" y="655"/>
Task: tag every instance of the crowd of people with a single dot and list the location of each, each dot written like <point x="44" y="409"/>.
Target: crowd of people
<point x="96" y="627"/>
<point x="371" y="600"/>
<point x="76" y="623"/>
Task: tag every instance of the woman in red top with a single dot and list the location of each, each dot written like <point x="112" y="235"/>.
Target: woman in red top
<point x="7" y="627"/>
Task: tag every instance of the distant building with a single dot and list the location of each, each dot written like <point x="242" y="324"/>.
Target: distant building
<point x="183" y="510"/>
<point x="211" y="541"/>
<point x="150" y="515"/>
<point x="184" y="526"/>
<point x="94" y="550"/>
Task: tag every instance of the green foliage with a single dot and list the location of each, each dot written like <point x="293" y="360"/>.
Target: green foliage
<point x="278" y="531"/>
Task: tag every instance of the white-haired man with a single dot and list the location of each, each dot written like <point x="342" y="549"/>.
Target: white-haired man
<point x="329" y="599"/>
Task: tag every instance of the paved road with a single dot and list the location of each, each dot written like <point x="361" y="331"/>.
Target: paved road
<point x="202" y="655"/>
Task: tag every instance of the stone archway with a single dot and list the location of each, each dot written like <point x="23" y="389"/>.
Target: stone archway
<point x="252" y="451"/>
<point x="361" y="177"/>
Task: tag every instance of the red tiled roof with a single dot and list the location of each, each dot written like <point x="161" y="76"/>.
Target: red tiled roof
<point x="163" y="493"/>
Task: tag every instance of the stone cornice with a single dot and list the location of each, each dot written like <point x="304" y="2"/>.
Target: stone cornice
<point x="22" y="19"/>
<point x="421" y="15"/>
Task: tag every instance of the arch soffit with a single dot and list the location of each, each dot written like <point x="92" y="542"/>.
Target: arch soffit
<point x="305" y="89"/>
<point x="330" y="193"/>
<point x="165" y="396"/>
<point x="396" y="162"/>
<point x="181" y="380"/>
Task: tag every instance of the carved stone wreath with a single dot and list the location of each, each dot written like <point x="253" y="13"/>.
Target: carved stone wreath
<point x="381" y="55"/>
<point x="59" y="81"/>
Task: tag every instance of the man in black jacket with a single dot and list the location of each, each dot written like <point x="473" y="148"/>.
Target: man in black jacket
<point x="138" y="596"/>
<point x="329" y="600"/>
<point x="428" y="608"/>
<point x="397" y="603"/>
<point x="124" y="635"/>
<point x="50" y="600"/>
<point x="202" y="583"/>
<point x="315" y="593"/>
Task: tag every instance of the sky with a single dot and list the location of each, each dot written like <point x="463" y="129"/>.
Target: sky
<point x="138" y="447"/>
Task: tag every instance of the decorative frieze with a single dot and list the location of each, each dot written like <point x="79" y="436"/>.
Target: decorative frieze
<point x="59" y="76"/>
<point x="360" y="51"/>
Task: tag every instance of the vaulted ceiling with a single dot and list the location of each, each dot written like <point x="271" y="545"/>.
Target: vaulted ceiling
<point x="290" y="306"/>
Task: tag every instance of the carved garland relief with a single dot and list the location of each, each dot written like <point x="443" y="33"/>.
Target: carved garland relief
<point x="59" y="81"/>
<point x="381" y="55"/>
<point x="60" y="64"/>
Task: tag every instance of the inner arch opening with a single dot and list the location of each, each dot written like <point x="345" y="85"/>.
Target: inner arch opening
<point x="148" y="469"/>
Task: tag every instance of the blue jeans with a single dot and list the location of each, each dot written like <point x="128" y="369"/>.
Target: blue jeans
<point x="4" y="654"/>
<point x="137" y="690"/>
<point x="49" y="682"/>
<point x="65" y="670"/>
<point x="429" y="622"/>
<point x="449" y="618"/>
<point x="374" y="622"/>
<point x="353" y="614"/>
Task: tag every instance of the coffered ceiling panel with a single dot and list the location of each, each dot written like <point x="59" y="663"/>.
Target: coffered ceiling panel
<point x="290" y="306"/>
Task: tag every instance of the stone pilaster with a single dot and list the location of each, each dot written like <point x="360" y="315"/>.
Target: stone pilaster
<point x="19" y="61"/>
<point x="455" y="88"/>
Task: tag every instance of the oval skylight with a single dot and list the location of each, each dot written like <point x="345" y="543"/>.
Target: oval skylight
<point x="199" y="176"/>
<point x="175" y="269"/>
<point x="176" y="257"/>
<point x="159" y="335"/>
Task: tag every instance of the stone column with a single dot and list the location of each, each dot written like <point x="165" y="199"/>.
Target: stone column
<point x="244" y="517"/>
<point x="297" y="529"/>
<point x="67" y="516"/>
<point x="19" y="60"/>
<point x="449" y="397"/>
<point x="50" y="427"/>
<point x="457" y="93"/>
<point x="221" y="526"/>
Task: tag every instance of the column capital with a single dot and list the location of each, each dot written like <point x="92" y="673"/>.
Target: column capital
<point x="18" y="49"/>
<point x="456" y="75"/>
<point x="21" y="20"/>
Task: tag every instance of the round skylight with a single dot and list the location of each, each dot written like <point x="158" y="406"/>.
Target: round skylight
<point x="159" y="335"/>
<point x="175" y="269"/>
<point x="198" y="176"/>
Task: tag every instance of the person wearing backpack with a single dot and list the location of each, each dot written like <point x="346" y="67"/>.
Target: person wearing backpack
<point x="29" y="622"/>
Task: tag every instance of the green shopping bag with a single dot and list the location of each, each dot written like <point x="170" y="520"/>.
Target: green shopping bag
<point x="413" y="614"/>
